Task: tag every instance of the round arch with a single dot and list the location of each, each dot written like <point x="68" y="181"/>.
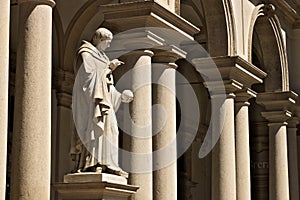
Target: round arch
<point x="220" y="25"/>
<point x="266" y="45"/>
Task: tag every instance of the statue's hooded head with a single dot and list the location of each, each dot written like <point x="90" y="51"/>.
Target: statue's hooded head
<point x="102" y="35"/>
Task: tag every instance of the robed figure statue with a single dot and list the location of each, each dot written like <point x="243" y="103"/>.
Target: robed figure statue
<point x="94" y="103"/>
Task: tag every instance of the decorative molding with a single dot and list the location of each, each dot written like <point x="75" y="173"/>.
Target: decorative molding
<point x="279" y="106"/>
<point x="227" y="86"/>
<point x="168" y="54"/>
<point x="277" y="101"/>
<point x="277" y="117"/>
<point x="244" y="95"/>
<point x="132" y="42"/>
<point x="230" y="68"/>
<point x="138" y="14"/>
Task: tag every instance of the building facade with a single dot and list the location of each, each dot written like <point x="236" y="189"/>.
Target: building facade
<point x="233" y="125"/>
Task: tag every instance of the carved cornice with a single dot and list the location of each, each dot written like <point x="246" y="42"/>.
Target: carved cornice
<point x="244" y="95"/>
<point x="168" y="54"/>
<point x="227" y="87"/>
<point x="130" y="15"/>
<point x="277" y="117"/>
<point x="277" y="101"/>
<point x="133" y="42"/>
<point x="279" y="106"/>
<point x="230" y="68"/>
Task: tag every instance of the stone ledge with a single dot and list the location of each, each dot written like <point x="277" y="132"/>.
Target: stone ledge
<point x="137" y="14"/>
<point x="229" y="67"/>
<point x="277" y="101"/>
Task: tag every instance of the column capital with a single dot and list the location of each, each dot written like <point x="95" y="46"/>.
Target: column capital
<point x="47" y="2"/>
<point x="223" y="87"/>
<point x="274" y="101"/>
<point x="244" y="95"/>
<point x="279" y="106"/>
<point x="277" y="117"/>
<point x="168" y="54"/>
<point x="138" y="53"/>
<point x="229" y="67"/>
<point x="148" y="53"/>
<point x="127" y="16"/>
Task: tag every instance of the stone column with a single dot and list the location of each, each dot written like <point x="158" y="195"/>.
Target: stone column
<point x="277" y="106"/>
<point x="223" y="136"/>
<point x="164" y="128"/>
<point x="242" y="150"/>
<point x="278" y="156"/>
<point x="32" y="120"/>
<point x="223" y="153"/>
<point x="293" y="159"/>
<point x="141" y="136"/>
<point x="4" y="71"/>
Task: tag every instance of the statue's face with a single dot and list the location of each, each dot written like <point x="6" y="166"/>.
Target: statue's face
<point x="103" y="45"/>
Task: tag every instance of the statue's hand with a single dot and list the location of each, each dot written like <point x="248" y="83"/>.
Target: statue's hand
<point x="127" y="96"/>
<point x="115" y="63"/>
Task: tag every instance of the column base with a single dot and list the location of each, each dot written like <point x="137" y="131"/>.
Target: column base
<point x="89" y="186"/>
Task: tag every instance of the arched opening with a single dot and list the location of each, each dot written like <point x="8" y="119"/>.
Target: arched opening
<point x="220" y="27"/>
<point x="268" y="54"/>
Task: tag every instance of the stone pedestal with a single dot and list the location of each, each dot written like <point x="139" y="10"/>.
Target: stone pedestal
<point x="89" y="186"/>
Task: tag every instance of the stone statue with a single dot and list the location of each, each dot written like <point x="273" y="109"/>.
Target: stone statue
<point x="94" y="103"/>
